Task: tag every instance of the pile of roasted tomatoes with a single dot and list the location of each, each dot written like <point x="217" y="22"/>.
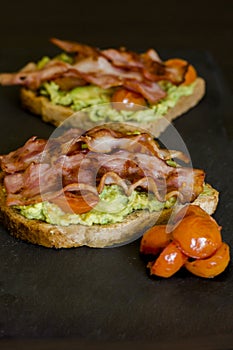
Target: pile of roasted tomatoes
<point x="194" y="242"/>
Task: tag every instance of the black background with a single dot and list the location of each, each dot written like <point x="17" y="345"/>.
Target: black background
<point x="54" y="299"/>
<point x="198" y="25"/>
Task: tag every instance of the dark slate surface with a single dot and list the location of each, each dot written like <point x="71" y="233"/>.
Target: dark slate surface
<point x="105" y="295"/>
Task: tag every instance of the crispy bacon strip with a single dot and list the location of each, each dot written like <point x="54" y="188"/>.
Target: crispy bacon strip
<point x="101" y="139"/>
<point x="151" y="55"/>
<point x="99" y="72"/>
<point x="155" y="70"/>
<point x="75" y="47"/>
<point x="104" y="68"/>
<point x="27" y="187"/>
<point x="150" y="90"/>
<point x="64" y="171"/>
<point x="123" y="58"/>
<point x="146" y="182"/>
<point x="101" y="66"/>
<point x="19" y="160"/>
<point x="69" y="81"/>
<point x="110" y="178"/>
<point x="188" y="181"/>
<point x="149" y="184"/>
<point x="104" y="140"/>
<point x="33" y="79"/>
<point x="30" y="67"/>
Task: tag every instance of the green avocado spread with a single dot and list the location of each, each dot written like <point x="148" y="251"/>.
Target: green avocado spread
<point x="113" y="207"/>
<point x="99" y="99"/>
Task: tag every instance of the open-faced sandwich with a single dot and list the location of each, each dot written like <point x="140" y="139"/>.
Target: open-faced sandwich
<point x="98" y="188"/>
<point x="83" y="76"/>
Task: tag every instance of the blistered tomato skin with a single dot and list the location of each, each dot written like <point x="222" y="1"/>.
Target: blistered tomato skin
<point x="124" y="99"/>
<point x="198" y="237"/>
<point x="78" y="204"/>
<point x="194" y="241"/>
<point x="155" y="239"/>
<point x="212" y="266"/>
<point x="169" y="261"/>
<point x="190" y="74"/>
<point x="189" y="210"/>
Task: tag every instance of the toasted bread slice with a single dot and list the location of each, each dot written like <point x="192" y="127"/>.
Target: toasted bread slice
<point x="56" y="114"/>
<point x="98" y="236"/>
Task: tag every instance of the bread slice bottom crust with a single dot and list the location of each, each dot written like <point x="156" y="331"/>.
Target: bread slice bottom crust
<point x="57" y="114"/>
<point x="97" y="236"/>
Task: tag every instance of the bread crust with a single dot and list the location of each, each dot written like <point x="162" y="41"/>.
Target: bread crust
<point x="56" y="114"/>
<point x="96" y="236"/>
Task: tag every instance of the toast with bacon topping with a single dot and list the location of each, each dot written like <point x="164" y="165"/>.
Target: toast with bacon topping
<point x="97" y="188"/>
<point x="140" y="89"/>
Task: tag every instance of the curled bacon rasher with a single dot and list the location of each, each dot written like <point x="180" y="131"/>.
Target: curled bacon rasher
<point x="139" y="73"/>
<point x="44" y="170"/>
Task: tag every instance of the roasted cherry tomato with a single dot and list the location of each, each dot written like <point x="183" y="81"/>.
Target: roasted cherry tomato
<point x="191" y="73"/>
<point x="169" y="261"/>
<point x="212" y="266"/>
<point x="191" y="210"/>
<point x="76" y="204"/>
<point x="155" y="239"/>
<point x="124" y="99"/>
<point x="198" y="236"/>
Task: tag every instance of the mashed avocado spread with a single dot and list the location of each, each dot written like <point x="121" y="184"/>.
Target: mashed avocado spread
<point x="99" y="99"/>
<point x="113" y="207"/>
